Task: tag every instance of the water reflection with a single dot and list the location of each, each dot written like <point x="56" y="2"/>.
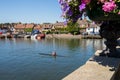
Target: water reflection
<point x="20" y="58"/>
<point x="76" y="43"/>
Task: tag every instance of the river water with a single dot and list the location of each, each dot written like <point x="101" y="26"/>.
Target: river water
<point x="25" y="59"/>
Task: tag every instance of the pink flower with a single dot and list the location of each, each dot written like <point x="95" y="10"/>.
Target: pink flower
<point x="109" y="6"/>
<point x="119" y="13"/>
<point x="85" y="1"/>
<point x="102" y="1"/>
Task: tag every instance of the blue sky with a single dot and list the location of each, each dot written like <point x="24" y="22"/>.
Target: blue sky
<point x="30" y="11"/>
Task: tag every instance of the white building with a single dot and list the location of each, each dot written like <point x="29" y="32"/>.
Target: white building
<point x="92" y="29"/>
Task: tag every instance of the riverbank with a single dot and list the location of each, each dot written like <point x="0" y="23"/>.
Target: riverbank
<point x="63" y="36"/>
<point x="97" y="68"/>
<point x="70" y="36"/>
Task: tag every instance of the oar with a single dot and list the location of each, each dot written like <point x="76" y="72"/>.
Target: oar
<point x="46" y="54"/>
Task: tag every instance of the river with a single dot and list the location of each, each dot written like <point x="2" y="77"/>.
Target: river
<point x="25" y="59"/>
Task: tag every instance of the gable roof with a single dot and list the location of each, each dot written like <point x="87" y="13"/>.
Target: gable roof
<point x="38" y="27"/>
<point x="29" y="25"/>
<point x="59" y="24"/>
<point x="19" y="26"/>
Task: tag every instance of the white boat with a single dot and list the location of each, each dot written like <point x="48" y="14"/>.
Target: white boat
<point x="33" y="37"/>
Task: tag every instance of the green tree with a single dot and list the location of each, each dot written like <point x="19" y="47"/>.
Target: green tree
<point x="28" y="29"/>
<point x="73" y="28"/>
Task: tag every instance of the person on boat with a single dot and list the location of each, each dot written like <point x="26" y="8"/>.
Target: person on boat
<point x="54" y="53"/>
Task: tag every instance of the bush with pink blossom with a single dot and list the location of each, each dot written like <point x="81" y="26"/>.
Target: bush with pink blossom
<point x="95" y="9"/>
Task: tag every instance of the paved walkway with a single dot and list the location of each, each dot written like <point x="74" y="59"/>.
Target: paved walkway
<point x="96" y="68"/>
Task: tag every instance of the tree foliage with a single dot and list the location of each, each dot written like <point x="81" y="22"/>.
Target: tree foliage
<point x="73" y="28"/>
<point x="28" y="29"/>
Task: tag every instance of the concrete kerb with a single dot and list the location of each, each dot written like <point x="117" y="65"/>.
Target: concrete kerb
<point x="96" y="68"/>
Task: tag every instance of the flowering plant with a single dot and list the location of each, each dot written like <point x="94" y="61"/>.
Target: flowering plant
<point x="95" y="9"/>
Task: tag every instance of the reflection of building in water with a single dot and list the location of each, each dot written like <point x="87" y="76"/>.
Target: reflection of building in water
<point x="98" y="44"/>
<point x="95" y="43"/>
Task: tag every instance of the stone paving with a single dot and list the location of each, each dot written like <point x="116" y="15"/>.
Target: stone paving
<point x="96" y="68"/>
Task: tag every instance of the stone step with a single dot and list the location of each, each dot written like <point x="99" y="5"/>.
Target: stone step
<point x="96" y="68"/>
